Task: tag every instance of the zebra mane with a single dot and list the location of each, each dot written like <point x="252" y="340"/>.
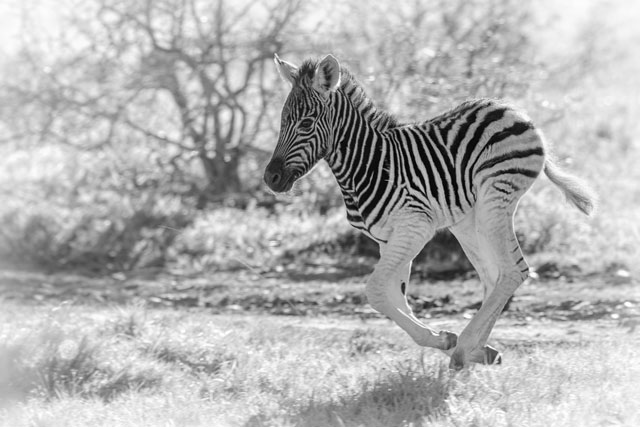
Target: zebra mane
<point x="352" y="88"/>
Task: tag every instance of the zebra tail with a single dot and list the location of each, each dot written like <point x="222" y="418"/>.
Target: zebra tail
<point x="576" y="190"/>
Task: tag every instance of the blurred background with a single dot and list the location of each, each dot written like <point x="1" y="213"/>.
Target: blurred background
<point x="134" y="134"/>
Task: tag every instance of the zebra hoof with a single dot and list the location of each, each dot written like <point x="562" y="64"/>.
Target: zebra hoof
<point x="487" y="355"/>
<point x="450" y="340"/>
<point x="457" y="361"/>
<point x="492" y="356"/>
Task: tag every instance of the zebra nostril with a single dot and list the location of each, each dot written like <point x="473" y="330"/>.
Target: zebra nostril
<point x="275" y="178"/>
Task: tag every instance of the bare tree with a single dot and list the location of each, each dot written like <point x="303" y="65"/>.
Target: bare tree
<point x="192" y="77"/>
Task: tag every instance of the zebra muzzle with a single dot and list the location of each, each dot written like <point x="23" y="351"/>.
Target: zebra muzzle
<point x="278" y="178"/>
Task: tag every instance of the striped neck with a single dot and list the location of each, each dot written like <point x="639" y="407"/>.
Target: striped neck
<point x="358" y="127"/>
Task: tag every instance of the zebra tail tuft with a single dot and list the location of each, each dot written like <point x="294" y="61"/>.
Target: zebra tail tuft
<point x="576" y="190"/>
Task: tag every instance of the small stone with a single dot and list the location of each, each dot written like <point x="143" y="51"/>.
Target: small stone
<point x="623" y="273"/>
<point x="119" y="276"/>
<point x="581" y="305"/>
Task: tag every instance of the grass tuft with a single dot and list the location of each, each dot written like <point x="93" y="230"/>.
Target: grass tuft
<point x="204" y="361"/>
<point x="364" y="341"/>
<point x="56" y="364"/>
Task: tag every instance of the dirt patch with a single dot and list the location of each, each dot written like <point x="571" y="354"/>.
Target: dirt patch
<point x="593" y="297"/>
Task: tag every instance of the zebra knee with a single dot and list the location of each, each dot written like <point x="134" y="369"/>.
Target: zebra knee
<point x="513" y="274"/>
<point x="376" y="293"/>
<point x="515" y="277"/>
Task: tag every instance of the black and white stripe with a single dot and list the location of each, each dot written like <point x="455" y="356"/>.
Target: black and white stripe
<point x="382" y="166"/>
<point x="435" y="166"/>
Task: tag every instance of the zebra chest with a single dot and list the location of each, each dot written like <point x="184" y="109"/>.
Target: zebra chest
<point x="372" y="217"/>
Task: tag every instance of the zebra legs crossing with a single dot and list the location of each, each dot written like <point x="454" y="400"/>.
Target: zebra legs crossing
<point x="388" y="286"/>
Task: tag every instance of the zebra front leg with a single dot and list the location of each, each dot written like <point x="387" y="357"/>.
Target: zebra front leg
<point x="387" y="285"/>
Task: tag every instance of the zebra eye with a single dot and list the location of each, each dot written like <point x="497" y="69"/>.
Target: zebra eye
<point x="305" y="123"/>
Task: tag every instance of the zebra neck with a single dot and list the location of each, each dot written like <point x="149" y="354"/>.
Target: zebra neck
<point x="359" y="149"/>
<point x="359" y="140"/>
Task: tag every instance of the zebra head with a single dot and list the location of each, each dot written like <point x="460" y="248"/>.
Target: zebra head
<point x="306" y="131"/>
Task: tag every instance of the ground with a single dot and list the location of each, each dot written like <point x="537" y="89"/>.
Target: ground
<point x="277" y="348"/>
<point x="324" y="291"/>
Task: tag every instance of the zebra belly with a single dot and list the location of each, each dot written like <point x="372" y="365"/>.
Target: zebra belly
<point x="407" y="205"/>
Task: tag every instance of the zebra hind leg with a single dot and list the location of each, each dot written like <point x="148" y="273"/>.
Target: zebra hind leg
<point x="500" y="264"/>
<point x="465" y="233"/>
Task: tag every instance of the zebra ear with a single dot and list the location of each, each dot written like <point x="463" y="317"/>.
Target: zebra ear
<point x="286" y="69"/>
<point x="327" y="76"/>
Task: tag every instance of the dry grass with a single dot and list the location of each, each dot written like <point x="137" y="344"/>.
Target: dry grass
<point x="130" y="367"/>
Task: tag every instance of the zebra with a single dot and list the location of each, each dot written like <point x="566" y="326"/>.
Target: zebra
<point x="464" y="170"/>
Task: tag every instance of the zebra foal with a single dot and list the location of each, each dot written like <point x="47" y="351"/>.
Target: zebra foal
<point x="464" y="170"/>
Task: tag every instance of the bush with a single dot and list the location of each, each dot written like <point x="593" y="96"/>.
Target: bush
<point x="111" y="235"/>
<point x="229" y="238"/>
<point x="131" y="203"/>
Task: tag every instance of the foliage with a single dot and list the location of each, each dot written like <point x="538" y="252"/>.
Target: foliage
<point x="190" y="77"/>
<point x="136" y="134"/>
<point x="121" y="235"/>
<point x="420" y="58"/>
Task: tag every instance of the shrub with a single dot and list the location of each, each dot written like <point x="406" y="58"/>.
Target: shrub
<point x="114" y="234"/>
